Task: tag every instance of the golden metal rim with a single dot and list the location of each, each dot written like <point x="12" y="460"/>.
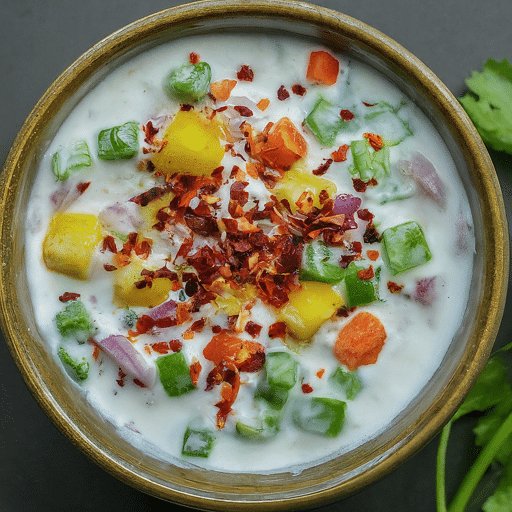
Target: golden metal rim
<point x="374" y="42"/>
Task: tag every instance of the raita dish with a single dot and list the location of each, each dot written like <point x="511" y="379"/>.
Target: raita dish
<point x="257" y="265"/>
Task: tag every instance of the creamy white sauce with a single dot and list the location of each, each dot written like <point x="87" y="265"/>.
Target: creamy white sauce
<point x="417" y="336"/>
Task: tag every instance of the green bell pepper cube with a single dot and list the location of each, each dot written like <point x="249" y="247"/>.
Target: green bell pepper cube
<point x="405" y="247"/>
<point x="275" y="396"/>
<point x="197" y="443"/>
<point x="384" y="120"/>
<point x="190" y="82"/>
<point x="359" y="292"/>
<point x="267" y="428"/>
<point x="281" y="370"/>
<point x="325" y="122"/>
<point x="79" y="367"/>
<point x="369" y="164"/>
<point x="174" y="374"/>
<point x="319" y="415"/>
<point x="119" y="142"/>
<point x="318" y="264"/>
<point x="347" y="381"/>
<point x="74" y="321"/>
<point x="70" y="159"/>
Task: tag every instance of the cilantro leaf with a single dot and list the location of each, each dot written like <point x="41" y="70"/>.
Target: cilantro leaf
<point x="491" y="386"/>
<point x="489" y="103"/>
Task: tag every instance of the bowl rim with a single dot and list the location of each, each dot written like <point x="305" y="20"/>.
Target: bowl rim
<point x="127" y="37"/>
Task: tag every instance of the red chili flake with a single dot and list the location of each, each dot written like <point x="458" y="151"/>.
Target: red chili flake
<point x="340" y="155"/>
<point x="216" y="329"/>
<point x="375" y="141"/>
<point x="395" y="288"/>
<point x="346" y="115"/>
<point x="365" y="214"/>
<point x="277" y="330"/>
<point x="150" y="131"/>
<point x="243" y="111"/>
<point x="245" y="73"/>
<point x="320" y="373"/>
<point x="298" y="89"/>
<point x="185" y="107"/>
<point x="163" y="347"/>
<point x="95" y="352"/>
<point x="198" y="325"/>
<point x="371" y="235"/>
<point x="109" y="268"/>
<point x="253" y="329"/>
<point x="195" y="370"/>
<point x="193" y="58"/>
<point x="306" y="388"/>
<point x="282" y="93"/>
<point x="322" y="169"/>
<point x="67" y="296"/>
<point x="121" y="375"/>
<point x="82" y="187"/>
<point x="366" y="273"/>
<point x="149" y="195"/>
<point x="373" y="255"/>
<point x="139" y="383"/>
<point x="109" y="244"/>
<point x="323" y="196"/>
<point x="359" y="185"/>
<point x="369" y="104"/>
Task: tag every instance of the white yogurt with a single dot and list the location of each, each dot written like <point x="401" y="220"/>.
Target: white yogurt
<point x="417" y="335"/>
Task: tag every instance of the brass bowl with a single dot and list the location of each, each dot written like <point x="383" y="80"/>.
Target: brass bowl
<point x="422" y="419"/>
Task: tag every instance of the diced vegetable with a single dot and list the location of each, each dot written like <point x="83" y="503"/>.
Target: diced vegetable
<point x="360" y="341"/>
<point x="174" y="374"/>
<point x="369" y="164"/>
<point x="308" y="308"/>
<point x="282" y="146"/>
<point x="129" y="358"/>
<point x="323" y="68"/>
<point x="70" y="242"/>
<point x="384" y="120"/>
<point x="325" y="122"/>
<point x="360" y="291"/>
<point x="275" y="396"/>
<point x="297" y="181"/>
<point x="221" y="90"/>
<point x="281" y="369"/>
<point x="191" y="145"/>
<point x="197" y="443"/>
<point x="319" y="415"/>
<point x="319" y="264"/>
<point x="71" y="159"/>
<point x="74" y="321"/>
<point x="190" y="82"/>
<point x="128" y="294"/>
<point x="405" y="247"/>
<point x="266" y="428"/>
<point x="80" y="368"/>
<point x="119" y="142"/>
<point x="347" y="381"/>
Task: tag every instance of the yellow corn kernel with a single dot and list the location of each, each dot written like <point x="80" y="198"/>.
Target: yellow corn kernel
<point x="298" y="184"/>
<point x="308" y="308"/>
<point x="70" y="242"/>
<point x="127" y="294"/>
<point x="191" y="145"/>
<point x="148" y="212"/>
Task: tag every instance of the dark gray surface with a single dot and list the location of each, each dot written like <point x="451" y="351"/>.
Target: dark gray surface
<point x="39" y="469"/>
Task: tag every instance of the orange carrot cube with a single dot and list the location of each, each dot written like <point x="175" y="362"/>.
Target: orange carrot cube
<point x="360" y="341"/>
<point x="323" y="68"/>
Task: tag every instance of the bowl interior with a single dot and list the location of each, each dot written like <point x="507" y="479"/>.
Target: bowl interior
<point x="329" y="480"/>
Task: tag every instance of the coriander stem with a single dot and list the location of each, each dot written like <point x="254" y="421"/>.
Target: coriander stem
<point x="441" y="468"/>
<point x="480" y="465"/>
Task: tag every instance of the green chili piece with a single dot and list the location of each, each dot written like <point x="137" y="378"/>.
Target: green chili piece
<point x="190" y="82"/>
<point x="347" y="381"/>
<point x="119" y="142"/>
<point x="405" y="247"/>
<point x="174" y="374"/>
<point x="197" y="443"/>
<point x="70" y="159"/>
<point x="319" y="415"/>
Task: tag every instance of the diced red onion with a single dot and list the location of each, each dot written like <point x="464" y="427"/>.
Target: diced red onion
<point x="65" y="195"/>
<point x="346" y="204"/>
<point x="425" y="292"/>
<point x="129" y="358"/>
<point x="424" y="173"/>
<point x="164" y="310"/>
<point x="122" y="218"/>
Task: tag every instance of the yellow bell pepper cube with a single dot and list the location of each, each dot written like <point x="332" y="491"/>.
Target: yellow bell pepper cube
<point x="127" y="294"/>
<point x="148" y="212"/>
<point x="70" y="242"/>
<point x="296" y="181"/>
<point x="191" y="145"/>
<point x="308" y="308"/>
